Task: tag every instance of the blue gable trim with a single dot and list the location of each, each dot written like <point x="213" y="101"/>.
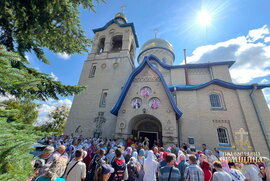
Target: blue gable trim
<point x="191" y="66"/>
<point x="123" y="94"/>
<point x="120" y="25"/>
<point x="218" y="82"/>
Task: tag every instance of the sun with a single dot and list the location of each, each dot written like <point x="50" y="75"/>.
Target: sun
<point x="204" y="18"/>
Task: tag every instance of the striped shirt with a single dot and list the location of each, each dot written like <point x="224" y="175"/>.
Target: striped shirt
<point x="165" y="174"/>
<point x="194" y="173"/>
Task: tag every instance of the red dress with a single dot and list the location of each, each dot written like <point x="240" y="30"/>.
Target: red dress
<point x="206" y="170"/>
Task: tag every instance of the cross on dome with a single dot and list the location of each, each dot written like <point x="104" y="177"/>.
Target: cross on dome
<point x="156" y="32"/>
<point x="122" y="8"/>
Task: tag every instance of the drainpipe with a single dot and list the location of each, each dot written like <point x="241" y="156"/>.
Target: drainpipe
<point x="258" y="114"/>
<point x="177" y="121"/>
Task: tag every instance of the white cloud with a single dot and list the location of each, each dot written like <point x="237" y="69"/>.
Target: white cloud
<point x="63" y="55"/>
<point x="47" y="107"/>
<point x="264" y="81"/>
<point x="54" y="76"/>
<point x="267" y="39"/>
<point x="252" y="59"/>
<point x="256" y="34"/>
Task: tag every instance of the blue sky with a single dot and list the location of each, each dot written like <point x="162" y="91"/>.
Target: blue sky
<point x="239" y="30"/>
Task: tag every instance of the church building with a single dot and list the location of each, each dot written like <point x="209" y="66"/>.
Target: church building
<point x="172" y="104"/>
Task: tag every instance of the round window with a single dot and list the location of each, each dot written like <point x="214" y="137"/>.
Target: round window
<point x="136" y="103"/>
<point x="154" y="103"/>
<point x="145" y="92"/>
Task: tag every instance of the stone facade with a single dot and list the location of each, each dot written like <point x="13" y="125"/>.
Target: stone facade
<point x="125" y="112"/>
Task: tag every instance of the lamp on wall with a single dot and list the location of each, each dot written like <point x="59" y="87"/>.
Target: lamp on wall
<point x="144" y="110"/>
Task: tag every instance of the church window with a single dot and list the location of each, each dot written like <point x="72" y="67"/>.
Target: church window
<point x="103" y="99"/>
<point x="101" y="45"/>
<point x="136" y="103"/>
<point x="93" y="70"/>
<point x="117" y="43"/>
<point x="145" y="92"/>
<point x="215" y="101"/>
<point x="223" y="135"/>
<point x="154" y="103"/>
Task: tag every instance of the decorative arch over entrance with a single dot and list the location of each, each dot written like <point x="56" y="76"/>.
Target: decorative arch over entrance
<point x="145" y="125"/>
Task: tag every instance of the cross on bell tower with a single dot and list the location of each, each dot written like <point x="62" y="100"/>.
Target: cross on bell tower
<point x="123" y="8"/>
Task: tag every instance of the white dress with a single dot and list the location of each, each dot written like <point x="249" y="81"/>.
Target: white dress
<point x="150" y="167"/>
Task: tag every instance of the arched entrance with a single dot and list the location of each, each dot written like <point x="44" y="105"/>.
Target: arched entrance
<point x="142" y="126"/>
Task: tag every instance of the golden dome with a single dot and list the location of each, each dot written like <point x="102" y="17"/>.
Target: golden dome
<point x="118" y="15"/>
<point x="157" y="43"/>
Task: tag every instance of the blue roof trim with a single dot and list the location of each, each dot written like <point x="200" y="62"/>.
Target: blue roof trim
<point x="218" y="82"/>
<point x="155" y="56"/>
<point x="120" y="25"/>
<point x="135" y="72"/>
<point x="198" y="65"/>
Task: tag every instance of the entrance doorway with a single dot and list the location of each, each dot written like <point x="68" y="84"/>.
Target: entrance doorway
<point x="145" y="125"/>
<point x="152" y="136"/>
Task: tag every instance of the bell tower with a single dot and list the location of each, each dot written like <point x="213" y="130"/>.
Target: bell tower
<point x="105" y="72"/>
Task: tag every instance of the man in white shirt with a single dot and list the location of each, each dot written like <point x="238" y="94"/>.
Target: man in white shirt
<point x="76" y="170"/>
<point x="236" y="174"/>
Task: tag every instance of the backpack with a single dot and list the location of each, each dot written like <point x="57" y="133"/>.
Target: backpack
<point x="119" y="171"/>
<point x="132" y="171"/>
<point x="96" y="163"/>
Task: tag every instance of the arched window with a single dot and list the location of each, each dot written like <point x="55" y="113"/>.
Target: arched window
<point x="101" y="45"/>
<point x="215" y="101"/>
<point x="117" y="43"/>
<point x="223" y="135"/>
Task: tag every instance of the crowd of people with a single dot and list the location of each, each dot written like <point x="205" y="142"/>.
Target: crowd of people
<point x="90" y="159"/>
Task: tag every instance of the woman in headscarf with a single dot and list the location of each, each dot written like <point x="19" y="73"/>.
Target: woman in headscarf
<point x="128" y="154"/>
<point x="225" y="166"/>
<point x="141" y="160"/>
<point x="150" y="167"/>
<point x="163" y="161"/>
<point x="110" y="155"/>
<point x="178" y="160"/>
<point x="134" y="154"/>
<point x="132" y="168"/>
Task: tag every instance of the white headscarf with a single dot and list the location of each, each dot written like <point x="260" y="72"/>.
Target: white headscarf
<point x="110" y="155"/>
<point x="150" y="167"/>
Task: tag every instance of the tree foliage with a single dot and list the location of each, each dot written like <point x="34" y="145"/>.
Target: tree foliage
<point x="17" y="139"/>
<point x="32" y="25"/>
<point x="27" y="110"/>
<point x="58" y="118"/>
<point x="23" y="82"/>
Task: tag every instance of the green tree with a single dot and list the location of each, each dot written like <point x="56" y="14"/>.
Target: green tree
<point x="32" y="25"/>
<point x="23" y="82"/>
<point x="17" y="139"/>
<point x="28" y="111"/>
<point x="58" y="119"/>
